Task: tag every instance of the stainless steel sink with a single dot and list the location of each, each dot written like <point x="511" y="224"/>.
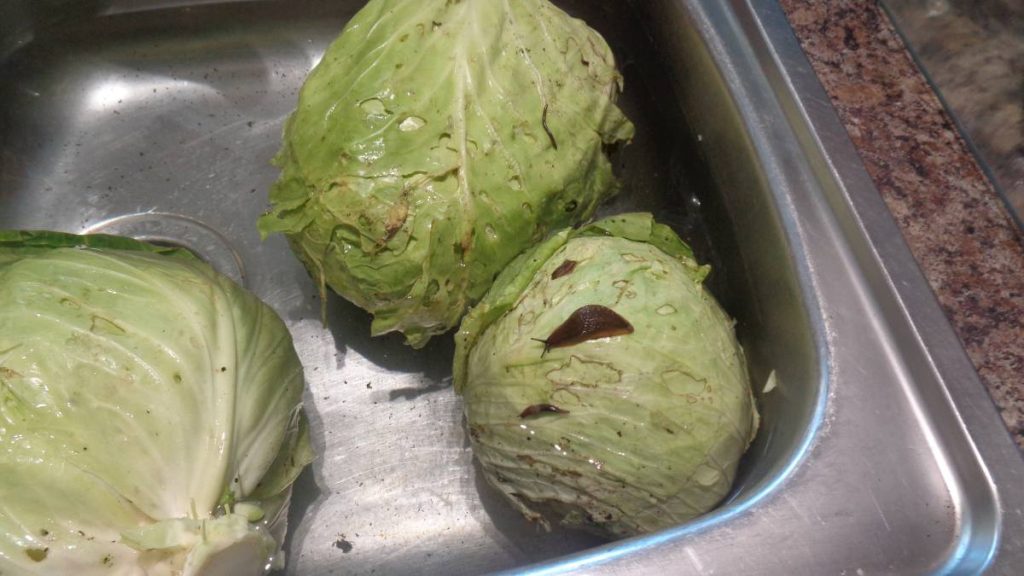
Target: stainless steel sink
<point x="880" y="451"/>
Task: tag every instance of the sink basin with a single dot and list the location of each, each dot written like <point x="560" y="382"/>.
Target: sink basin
<point x="879" y="451"/>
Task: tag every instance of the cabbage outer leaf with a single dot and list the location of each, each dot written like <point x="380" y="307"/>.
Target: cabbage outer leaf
<point x="653" y="423"/>
<point x="143" y="397"/>
<point x="436" y="140"/>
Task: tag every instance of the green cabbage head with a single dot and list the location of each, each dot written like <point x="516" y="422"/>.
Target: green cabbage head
<point x="150" y="413"/>
<point x="603" y="385"/>
<point x="434" y="142"/>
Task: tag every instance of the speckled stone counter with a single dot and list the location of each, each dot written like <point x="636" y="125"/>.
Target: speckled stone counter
<point x="956" y="225"/>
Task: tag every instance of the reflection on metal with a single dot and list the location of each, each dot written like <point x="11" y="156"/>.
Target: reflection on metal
<point x="972" y="52"/>
<point x="180" y="231"/>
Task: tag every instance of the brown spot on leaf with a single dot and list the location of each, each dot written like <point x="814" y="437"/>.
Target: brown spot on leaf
<point x="397" y="215"/>
<point x="101" y="324"/>
<point x="8" y="373"/>
<point x="547" y="129"/>
<point x="37" y="554"/>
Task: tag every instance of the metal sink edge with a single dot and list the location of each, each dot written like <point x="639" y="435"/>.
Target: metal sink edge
<point x="977" y="459"/>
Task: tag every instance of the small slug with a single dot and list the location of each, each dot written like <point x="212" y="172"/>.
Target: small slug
<point x="564" y="269"/>
<point x="588" y="322"/>
<point x="536" y="409"/>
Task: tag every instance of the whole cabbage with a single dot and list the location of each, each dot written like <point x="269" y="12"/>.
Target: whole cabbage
<point x="603" y="385"/>
<point x="150" y="413"/>
<point x="434" y="142"/>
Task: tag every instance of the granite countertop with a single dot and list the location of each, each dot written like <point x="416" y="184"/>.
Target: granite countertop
<point x="952" y="218"/>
